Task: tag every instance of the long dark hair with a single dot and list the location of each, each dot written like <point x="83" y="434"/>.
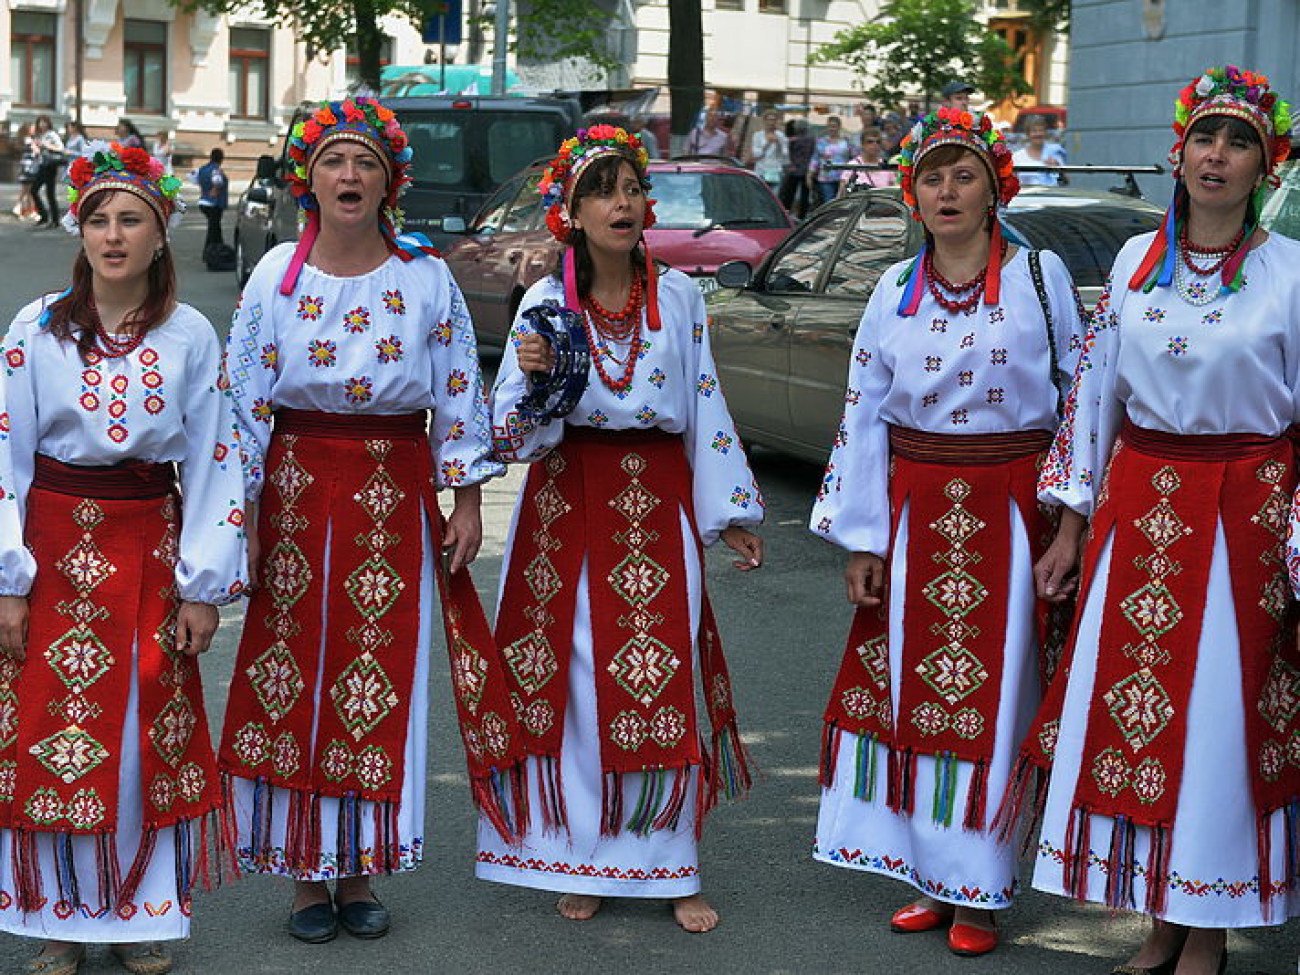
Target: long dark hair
<point x="599" y="177"/>
<point x="71" y="316"/>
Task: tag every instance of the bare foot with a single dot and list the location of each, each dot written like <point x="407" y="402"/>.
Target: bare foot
<point x="1202" y="951"/>
<point x="309" y="894"/>
<point x="578" y="907"/>
<point x="694" y="914"/>
<point x="1163" y="942"/>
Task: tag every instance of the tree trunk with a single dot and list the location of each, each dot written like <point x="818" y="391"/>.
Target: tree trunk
<point x="685" y="63"/>
<point x="369" y="42"/>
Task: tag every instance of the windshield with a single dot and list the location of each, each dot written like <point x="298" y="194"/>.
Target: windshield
<point x="690" y="200"/>
<point x="1087" y="238"/>
<point x="476" y="151"/>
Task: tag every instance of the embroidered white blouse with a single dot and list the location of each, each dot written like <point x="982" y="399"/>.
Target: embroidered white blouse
<point x="166" y="401"/>
<point x="674" y="388"/>
<point x="394" y="340"/>
<point x="1230" y="366"/>
<point x="987" y="371"/>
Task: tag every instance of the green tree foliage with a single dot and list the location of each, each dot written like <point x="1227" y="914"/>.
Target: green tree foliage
<point x="553" y="30"/>
<point x="917" y="45"/>
<point x="1048" y="15"/>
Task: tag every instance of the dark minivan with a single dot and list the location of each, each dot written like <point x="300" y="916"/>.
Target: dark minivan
<point x="464" y="148"/>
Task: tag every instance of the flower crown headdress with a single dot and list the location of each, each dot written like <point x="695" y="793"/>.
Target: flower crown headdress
<point x="576" y="154"/>
<point x="1240" y="94"/>
<point x="970" y="130"/>
<point x="363" y="120"/>
<point x="112" y="166"/>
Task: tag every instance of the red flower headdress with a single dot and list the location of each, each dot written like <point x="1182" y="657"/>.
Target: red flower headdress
<point x="112" y="166"/>
<point x="575" y="155"/>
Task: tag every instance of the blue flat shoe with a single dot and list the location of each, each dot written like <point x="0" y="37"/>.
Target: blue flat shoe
<point x="315" y="924"/>
<point x="365" y="919"/>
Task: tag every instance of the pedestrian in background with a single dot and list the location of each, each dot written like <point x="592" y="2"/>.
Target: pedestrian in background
<point x="128" y="135"/>
<point x="74" y="140"/>
<point x="1039" y="152"/>
<point x="162" y="150"/>
<point x="50" y="146"/>
<point x="643" y="472"/>
<point x="214" y="195"/>
<point x="872" y="171"/>
<point x="952" y="402"/>
<point x="647" y="137"/>
<point x="355" y="334"/>
<point x="111" y="571"/>
<point x="29" y="167"/>
<point x="710" y="137"/>
<point x="1170" y="791"/>
<point x="832" y="150"/>
<point x="795" y="188"/>
<point x="769" y="151"/>
<point x="956" y="95"/>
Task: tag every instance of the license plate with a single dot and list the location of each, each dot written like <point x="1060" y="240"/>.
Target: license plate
<point x="707" y="285"/>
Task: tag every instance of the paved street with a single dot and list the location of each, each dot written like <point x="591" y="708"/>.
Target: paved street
<point x="784" y="628"/>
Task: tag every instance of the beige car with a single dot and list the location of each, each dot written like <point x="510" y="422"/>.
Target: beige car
<point x="782" y="334"/>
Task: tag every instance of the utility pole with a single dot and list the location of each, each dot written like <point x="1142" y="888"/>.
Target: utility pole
<point x="500" y="41"/>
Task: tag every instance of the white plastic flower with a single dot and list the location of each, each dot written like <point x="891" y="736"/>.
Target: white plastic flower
<point x="1205" y="85"/>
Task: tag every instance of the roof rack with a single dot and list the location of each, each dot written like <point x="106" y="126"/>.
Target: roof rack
<point x="1129" y="187"/>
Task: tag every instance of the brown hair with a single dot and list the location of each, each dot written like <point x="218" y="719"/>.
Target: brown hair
<point x="72" y="314"/>
<point x="599" y="177"/>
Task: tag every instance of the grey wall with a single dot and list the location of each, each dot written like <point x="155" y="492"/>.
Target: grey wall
<point x="1130" y="58"/>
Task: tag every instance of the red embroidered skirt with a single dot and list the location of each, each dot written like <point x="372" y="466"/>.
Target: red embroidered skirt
<point x="320" y="698"/>
<point x="614" y="500"/>
<point x="956" y="489"/>
<point x="1159" y="508"/>
<point x="103" y="609"/>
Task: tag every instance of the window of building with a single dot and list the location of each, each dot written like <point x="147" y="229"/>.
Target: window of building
<point x="772" y="6"/>
<point x="31" y="58"/>
<point x="353" y="69"/>
<point x="144" y="52"/>
<point x="729" y="4"/>
<point x="250" y="71"/>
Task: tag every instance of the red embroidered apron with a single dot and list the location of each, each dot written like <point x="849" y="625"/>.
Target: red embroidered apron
<point x="1162" y="501"/>
<point x="956" y="489"/>
<point x="105" y="541"/>
<point x="614" y="500"/>
<point x="341" y="531"/>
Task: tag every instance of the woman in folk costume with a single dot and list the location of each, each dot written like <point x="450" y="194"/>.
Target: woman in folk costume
<point x="952" y="401"/>
<point x="111" y="570"/>
<point x="603" y="610"/>
<point x="340" y="346"/>
<point x="1175" y="776"/>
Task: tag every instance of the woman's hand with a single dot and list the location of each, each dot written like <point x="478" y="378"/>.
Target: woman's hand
<point x="746" y="544"/>
<point x="254" y="544"/>
<point x="13" y="626"/>
<point x="463" y="533"/>
<point x="1056" y="575"/>
<point x="195" y="624"/>
<point x="865" y="578"/>
<point x="535" y="354"/>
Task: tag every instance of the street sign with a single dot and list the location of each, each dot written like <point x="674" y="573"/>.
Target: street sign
<point x="444" y="23"/>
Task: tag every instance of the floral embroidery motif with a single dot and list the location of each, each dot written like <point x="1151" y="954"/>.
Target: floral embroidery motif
<point x="359" y="390"/>
<point x="442" y="333"/>
<point x="394" y="304"/>
<point x="322" y="353"/>
<point x="722" y="442"/>
<point x="310" y="309"/>
<point x="1177" y="345"/>
<point x="707" y="385"/>
<point x="1153" y="315"/>
<point x="998" y="357"/>
<point x="457" y="382"/>
<point x="389" y="349"/>
<point x="270" y="356"/>
<point x="357" y="320"/>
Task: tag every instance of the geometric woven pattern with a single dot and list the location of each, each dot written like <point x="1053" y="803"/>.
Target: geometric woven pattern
<point x="363" y="696"/>
<point x="276" y="680"/>
<point x="643" y="667"/>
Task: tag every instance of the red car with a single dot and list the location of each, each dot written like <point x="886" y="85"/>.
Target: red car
<point x="707" y="213"/>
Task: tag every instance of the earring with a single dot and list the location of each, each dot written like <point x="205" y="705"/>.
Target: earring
<point x="157" y="255"/>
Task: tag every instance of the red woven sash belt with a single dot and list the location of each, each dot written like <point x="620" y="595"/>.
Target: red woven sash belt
<point x="967" y="448"/>
<point x="127" y="481"/>
<point x="1203" y="446"/>
<point x="621" y="438"/>
<point x="352" y="426"/>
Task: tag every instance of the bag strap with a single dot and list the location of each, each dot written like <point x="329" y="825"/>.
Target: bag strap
<point x="1036" y="272"/>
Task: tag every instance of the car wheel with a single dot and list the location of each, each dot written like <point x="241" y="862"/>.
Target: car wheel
<point x="242" y="270"/>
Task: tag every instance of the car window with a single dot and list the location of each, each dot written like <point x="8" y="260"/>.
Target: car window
<point x="525" y="211"/>
<point x="493" y="214"/>
<point x="1085" y="237"/>
<point x="689" y="200"/>
<point x="437" y="148"/>
<point x="1282" y="209"/>
<point x="514" y="141"/>
<point x="800" y="265"/>
<point x="877" y="239"/>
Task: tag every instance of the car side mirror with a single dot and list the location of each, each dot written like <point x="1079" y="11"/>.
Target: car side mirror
<point x="454" y="225"/>
<point x="266" y="167"/>
<point x="734" y="274"/>
<point x="259" y="194"/>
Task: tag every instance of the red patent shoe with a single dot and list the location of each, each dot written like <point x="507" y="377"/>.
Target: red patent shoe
<point x="914" y="918"/>
<point x="968" y="940"/>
